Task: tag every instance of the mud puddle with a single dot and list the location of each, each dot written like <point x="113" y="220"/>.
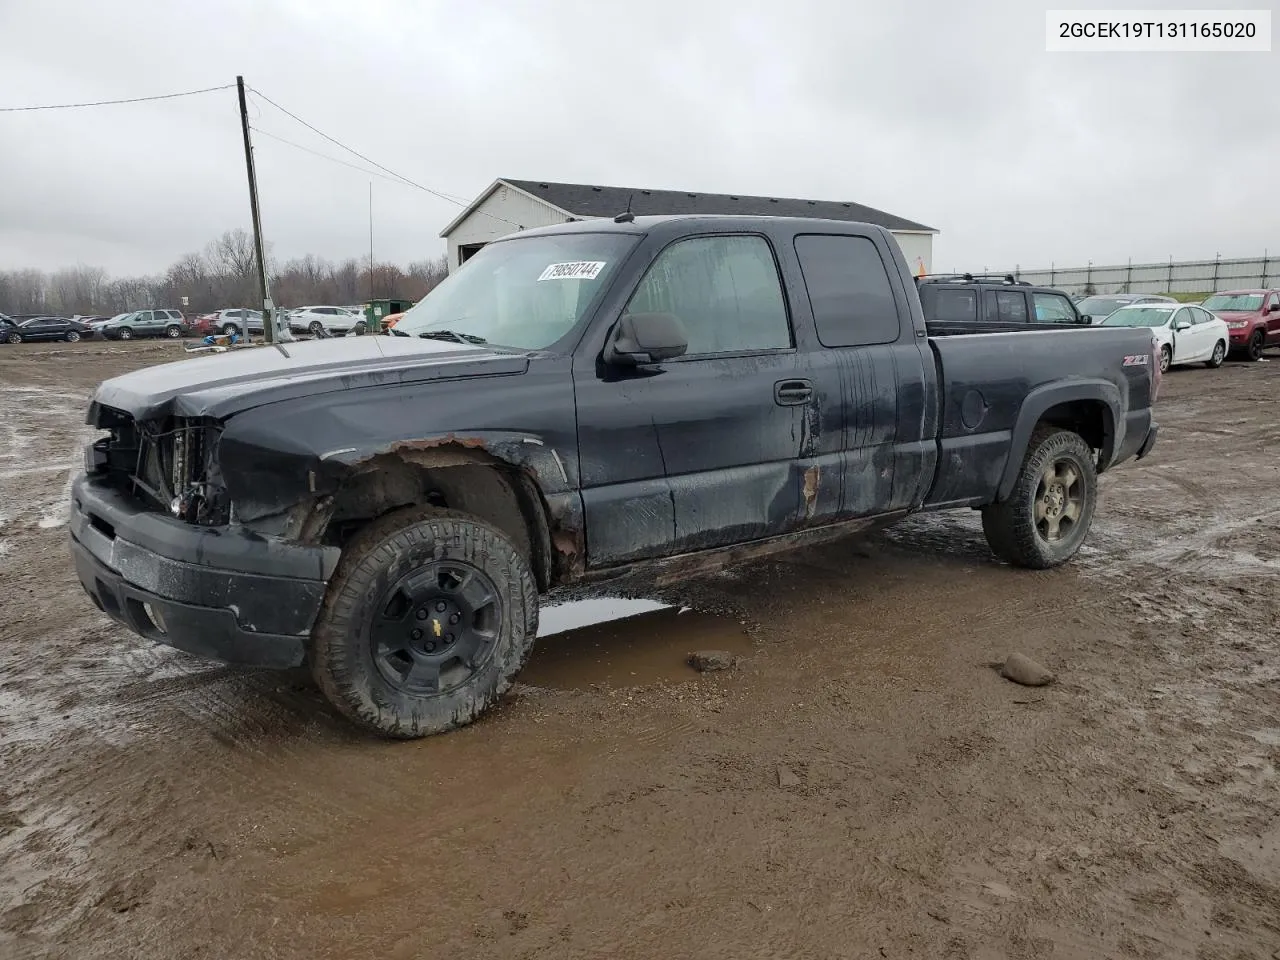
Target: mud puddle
<point x="619" y="642"/>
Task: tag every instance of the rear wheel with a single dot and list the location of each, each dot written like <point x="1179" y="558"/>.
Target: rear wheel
<point x="360" y="329"/>
<point x="428" y="619"/>
<point x="1256" y="343"/>
<point x="230" y="329"/>
<point x="1219" y="354"/>
<point x="173" y="331"/>
<point x="1047" y="516"/>
<point x="124" y="333"/>
<point x="1166" y="359"/>
<point x="72" y="336"/>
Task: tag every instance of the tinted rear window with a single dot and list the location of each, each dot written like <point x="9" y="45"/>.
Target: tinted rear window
<point x="955" y="305"/>
<point x="849" y="290"/>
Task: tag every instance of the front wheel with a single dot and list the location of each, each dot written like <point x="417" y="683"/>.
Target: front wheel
<point x="1256" y="343"/>
<point x="1219" y="354"/>
<point x="13" y="337"/>
<point x="1166" y="359"/>
<point x="428" y="619"/>
<point x="1047" y="516"/>
<point x="124" y="333"/>
<point x="73" y="336"/>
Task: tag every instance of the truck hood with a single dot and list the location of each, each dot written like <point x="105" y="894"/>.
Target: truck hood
<point x="224" y="384"/>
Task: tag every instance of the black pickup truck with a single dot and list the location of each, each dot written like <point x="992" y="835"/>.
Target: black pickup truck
<point x="673" y="393"/>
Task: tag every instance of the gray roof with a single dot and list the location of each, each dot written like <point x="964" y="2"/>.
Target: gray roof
<point x="587" y="200"/>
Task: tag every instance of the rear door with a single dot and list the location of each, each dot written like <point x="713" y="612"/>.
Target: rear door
<point x="1205" y="331"/>
<point x="1005" y="306"/>
<point x="868" y="440"/>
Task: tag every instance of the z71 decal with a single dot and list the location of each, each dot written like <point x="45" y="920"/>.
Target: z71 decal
<point x="1137" y="360"/>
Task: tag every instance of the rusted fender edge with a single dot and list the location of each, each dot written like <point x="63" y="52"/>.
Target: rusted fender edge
<point x="550" y="498"/>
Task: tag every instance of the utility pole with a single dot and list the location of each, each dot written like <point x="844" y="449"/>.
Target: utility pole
<point x="371" y="244"/>
<point x="268" y="319"/>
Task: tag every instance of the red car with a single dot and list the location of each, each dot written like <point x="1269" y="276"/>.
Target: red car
<point x="1252" y="316"/>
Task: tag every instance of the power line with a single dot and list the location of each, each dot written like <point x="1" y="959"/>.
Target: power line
<point x="108" y="103"/>
<point x="325" y="156"/>
<point x="435" y="193"/>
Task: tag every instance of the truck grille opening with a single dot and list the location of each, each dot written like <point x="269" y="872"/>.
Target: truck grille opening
<point x="167" y="464"/>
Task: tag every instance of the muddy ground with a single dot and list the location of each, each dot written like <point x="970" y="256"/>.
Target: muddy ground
<point x="863" y="784"/>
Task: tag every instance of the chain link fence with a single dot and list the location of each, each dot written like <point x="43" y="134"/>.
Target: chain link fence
<point x="1175" y="276"/>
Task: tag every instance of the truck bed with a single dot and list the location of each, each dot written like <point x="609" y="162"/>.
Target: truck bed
<point x="988" y="378"/>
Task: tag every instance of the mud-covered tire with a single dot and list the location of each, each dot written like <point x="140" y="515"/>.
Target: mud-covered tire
<point x="1257" y="343"/>
<point x="1011" y="527"/>
<point x="1219" y="354"/>
<point x="348" y="665"/>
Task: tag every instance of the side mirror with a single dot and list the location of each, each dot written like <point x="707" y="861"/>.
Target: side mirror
<point x="1182" y="325"/>
<point x="646" y="338"/>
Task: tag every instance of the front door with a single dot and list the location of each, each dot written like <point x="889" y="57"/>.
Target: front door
<point x="1184" y="341"/>
<point x="701" y="451"/>
<point x="1271" y="314"/>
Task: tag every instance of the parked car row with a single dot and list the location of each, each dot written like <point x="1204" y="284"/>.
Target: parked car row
<point x="1240" y="322"/>
<point x="31" y="329"/>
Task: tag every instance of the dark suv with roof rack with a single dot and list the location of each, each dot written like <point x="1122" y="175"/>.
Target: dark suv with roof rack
<point x="967" y="302"/>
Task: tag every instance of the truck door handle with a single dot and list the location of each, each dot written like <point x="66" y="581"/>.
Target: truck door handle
<point x="788" y="393"/>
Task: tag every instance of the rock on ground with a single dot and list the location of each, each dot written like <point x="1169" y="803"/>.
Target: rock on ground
<point x="708" y="661"/>
<point x="1022" y="669"/>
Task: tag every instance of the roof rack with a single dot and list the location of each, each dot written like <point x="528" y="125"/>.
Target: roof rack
<point x="1006" y="279"/>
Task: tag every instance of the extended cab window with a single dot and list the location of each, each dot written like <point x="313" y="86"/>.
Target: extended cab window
<point x="724" y="290"/>
<point x="1053" y="308"/>
<point x="848" y="290"/>
<point x="953" y="305"/>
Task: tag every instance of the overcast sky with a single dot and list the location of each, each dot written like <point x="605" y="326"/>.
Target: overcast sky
<point x="947" y="113"/>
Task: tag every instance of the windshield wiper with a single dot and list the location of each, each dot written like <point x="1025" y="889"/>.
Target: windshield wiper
<point x="453" y="335"/>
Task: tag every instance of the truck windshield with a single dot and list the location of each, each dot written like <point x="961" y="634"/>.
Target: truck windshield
<point x="1139" y="317"/>
<point x="1226" y="302"/>
<point x="525" y="293"/>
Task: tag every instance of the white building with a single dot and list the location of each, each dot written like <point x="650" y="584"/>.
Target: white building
<point x="511" y="205"/>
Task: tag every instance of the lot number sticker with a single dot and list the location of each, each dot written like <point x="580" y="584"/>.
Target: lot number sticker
<point x="578" y="270"/>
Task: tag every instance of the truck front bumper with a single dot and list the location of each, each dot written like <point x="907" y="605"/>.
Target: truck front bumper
<point x="216" y="592"/>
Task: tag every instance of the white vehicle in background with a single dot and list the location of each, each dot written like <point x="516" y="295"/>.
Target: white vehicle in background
<point x="1186" y="334"/>
<point x="322" y="321"/>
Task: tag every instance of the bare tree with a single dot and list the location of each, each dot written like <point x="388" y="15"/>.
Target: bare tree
<point x="224" y="274"/>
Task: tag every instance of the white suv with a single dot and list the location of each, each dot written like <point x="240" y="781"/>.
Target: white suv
<point x="319" y="321"/>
